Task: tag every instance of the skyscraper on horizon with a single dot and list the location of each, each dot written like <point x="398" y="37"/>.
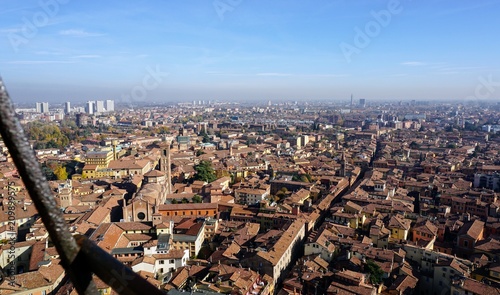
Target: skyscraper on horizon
<point x="109" y="104"/>
<point x="42" y="107"/>
<point x="67" y="107"/>
<point x="89" y="107"/>
<point x="99" y="106"/>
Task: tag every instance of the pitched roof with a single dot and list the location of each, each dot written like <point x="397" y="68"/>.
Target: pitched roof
<point x="472" y="229"/>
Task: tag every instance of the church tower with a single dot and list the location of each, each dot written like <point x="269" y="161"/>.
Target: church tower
<point x="166" y="165"/>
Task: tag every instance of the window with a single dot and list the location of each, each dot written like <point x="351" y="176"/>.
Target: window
<point x="171" y="261"/>
<point x="466" y="243"/>
<point x="162" y="261"/>
<point x="141" y="215"/>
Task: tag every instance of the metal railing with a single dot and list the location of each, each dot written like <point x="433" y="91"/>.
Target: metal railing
<point x="80" y="257"/>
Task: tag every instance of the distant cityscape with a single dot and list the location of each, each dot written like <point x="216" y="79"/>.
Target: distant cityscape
<point x="249" y="147"/>
<point x="297" y="197"/>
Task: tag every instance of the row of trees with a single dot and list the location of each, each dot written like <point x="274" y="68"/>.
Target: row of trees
<point x="194" y="199"/>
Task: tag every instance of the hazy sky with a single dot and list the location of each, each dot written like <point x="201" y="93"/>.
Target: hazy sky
<point x="58" y="50"/>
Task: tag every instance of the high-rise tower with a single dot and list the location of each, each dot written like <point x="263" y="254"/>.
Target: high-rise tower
<point x="67" y="107"/>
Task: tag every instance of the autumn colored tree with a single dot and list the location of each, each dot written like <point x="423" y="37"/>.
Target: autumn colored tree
<point x="60" y="172"/>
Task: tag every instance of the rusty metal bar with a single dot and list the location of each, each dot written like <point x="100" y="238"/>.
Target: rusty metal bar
<point x="39" y="191"/>
<point x="111" y="271"/>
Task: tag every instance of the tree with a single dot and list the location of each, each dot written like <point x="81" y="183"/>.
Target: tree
<point x="375" y="272"/>
<point x="414" y="145"/>
<point x="304" y="178"/>
<point x="204" y="172"/>
<point x="46" y="135"/>
<point x="251" y="141"/>
<point x="184" y="201"/>
<point x="282" y="193"/>
<point x="206" y="138"/>
<point x="60" y="172"/>
<point x="163" y="130"/>
<point x="197" y="199"/>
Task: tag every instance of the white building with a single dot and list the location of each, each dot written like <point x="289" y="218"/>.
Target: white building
<point x="89" y="107"/>
<point x="45" y="107"/>
<point x="67" y="107"/>
<point x="109" y="105"/>
<point x="160" y="257"/>
<point x="99" y="106"/>
<point x="42" y="107"/>
<point x="249" y="196"/>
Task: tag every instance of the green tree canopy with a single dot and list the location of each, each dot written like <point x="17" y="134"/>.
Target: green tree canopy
<point x="375" y="272"/>
<point x="204" y="172"/>
<point x="197" y="199"/>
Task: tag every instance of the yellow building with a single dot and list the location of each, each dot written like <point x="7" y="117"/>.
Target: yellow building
<point x="399" y="226"/>
<point x="99" y="158"/>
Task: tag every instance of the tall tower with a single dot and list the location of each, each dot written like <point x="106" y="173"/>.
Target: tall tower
<point x="342" y="165"/>
<point x="45" y="107"/>
<point x="67" y="107"/>
<point x="166" y="164"/>
<point x="114" y="143"/>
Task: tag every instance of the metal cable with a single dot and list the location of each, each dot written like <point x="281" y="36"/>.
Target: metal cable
<point x="39" y="191"/>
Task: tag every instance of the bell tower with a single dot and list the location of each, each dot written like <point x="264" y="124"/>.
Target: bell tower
<point x="166" y="164"/>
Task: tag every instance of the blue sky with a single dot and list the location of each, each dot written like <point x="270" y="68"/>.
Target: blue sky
<point x="248" y="49"/>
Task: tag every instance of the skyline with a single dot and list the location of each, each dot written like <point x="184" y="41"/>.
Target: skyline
<point x="65" y="50"/>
